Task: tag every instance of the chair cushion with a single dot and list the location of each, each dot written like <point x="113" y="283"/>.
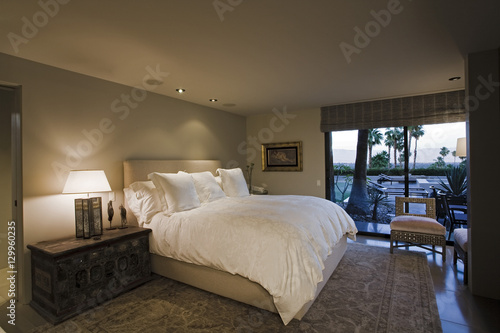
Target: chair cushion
<point x="461" y="238"/>
<point x="424" y="225"/>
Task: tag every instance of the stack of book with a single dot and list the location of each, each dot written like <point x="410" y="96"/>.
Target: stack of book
<point x="88" y="217"/>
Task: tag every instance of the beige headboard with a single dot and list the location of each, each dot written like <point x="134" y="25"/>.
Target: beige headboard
<point x="137" y="170"/>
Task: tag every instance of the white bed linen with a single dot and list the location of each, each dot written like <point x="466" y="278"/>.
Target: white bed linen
<point x="279" y="242"/>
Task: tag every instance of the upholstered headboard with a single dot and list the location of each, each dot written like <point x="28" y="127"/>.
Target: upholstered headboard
<point x="137" y="170"/>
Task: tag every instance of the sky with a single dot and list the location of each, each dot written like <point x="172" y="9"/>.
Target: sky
<point x="435" y="137"/>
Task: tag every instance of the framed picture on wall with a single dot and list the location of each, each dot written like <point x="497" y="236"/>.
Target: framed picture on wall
<point x="286" y="156"/>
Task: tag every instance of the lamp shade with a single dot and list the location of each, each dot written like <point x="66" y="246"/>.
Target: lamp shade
<point x="86" y="181"/>
<point x="461" y="150"/>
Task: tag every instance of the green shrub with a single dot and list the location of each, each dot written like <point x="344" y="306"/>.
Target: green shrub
<point x="342" y="170"/>
<point x="400" y="172"/>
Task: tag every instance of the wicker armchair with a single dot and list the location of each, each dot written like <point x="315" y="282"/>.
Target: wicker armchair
<point x="417" y="229"/>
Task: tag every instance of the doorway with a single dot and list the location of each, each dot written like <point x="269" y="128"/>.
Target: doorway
<point x="11" y="242"/>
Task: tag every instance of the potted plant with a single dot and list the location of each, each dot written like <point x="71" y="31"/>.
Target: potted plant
<point x="457" y="183"/>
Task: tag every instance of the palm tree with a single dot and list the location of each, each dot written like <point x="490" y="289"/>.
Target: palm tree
<point x="411" y="129"/>
<point x="416" y="132"/>
<point x="400" y="146"/>
<point x="389" y="143"/>
<point x="374" y="138"/>
<point x="444" y="151"/>
<point x="394" y="136"/>
<point x="358" y="200"/>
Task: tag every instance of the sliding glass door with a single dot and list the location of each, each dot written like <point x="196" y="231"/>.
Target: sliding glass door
<point x="399" y="161"/>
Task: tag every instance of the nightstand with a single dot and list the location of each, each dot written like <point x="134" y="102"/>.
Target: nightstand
<point x="71" y="275"/>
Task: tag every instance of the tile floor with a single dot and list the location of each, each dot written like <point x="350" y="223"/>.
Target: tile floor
<point x="458" y="309"/>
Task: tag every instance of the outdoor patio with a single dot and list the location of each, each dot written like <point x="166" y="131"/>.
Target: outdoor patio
<point x="420" y="186"/>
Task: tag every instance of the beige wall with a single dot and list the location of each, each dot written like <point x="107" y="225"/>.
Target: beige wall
<point x="285" y="126"/>
<point x="68" y="123"/>
<point x="483" y="72"/>
<point x="6" y="107"/>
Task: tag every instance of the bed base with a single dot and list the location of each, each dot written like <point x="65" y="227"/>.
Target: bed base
<point x="237" y="287"/>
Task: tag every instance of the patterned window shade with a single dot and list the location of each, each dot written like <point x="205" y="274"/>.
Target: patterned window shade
<point x="446" y="107"/>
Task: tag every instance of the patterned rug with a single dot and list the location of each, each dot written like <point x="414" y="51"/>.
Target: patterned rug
<point x="371" y="291"/>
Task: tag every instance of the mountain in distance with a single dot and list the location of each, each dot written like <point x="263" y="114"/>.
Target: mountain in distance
<point x="424" y="155"/>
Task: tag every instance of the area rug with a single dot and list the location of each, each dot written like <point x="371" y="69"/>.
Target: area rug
<point x="370" y="291"/>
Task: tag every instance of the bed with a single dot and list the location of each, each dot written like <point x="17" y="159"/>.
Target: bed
<point x="212" y="278"/>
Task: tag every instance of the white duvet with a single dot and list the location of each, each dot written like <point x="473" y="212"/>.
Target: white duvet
<point x="279" y="242"/>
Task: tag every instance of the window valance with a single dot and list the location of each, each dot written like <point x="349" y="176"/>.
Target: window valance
<point x="446" y="107"/>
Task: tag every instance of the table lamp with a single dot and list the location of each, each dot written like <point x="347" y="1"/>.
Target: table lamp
<point x="88" y="211"/>
<point x="461" y="150"/>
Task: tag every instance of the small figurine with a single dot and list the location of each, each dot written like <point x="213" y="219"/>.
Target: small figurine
<point x="111" y="213"/>
<point x="123" y="214"/>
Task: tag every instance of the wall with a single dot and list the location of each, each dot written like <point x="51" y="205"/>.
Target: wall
<point x="68" y="123"/>
<point x="6" y="106"/>
<point x="483" y="72"/>
<point x="285" y="126"/>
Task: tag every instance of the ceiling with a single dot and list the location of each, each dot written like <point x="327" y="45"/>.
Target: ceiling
<point x="253" y="56"/>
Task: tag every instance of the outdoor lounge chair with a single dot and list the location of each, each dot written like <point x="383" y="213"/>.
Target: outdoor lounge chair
<point x="383" y="178"/>
<point x="418" y="229"/>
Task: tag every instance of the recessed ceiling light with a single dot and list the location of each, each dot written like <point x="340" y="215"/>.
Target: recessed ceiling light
<point x="180" y="90"/>
<point x="455" y="78"/>
<point x="213" y="99"/>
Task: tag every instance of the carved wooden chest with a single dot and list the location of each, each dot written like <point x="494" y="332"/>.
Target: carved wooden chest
<point x="72" y="275"/>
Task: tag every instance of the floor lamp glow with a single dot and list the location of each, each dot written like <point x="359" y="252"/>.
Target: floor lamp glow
<point x="88" y="211"/>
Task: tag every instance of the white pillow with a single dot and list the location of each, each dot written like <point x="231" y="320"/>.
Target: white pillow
<point x="177" y="191"/>
<point x="132" y="203"/>
<point x="206" y="186"/>
<point x="143" y="199"/>
<point x="233" y="182"/>
<point x="219" y="181"/>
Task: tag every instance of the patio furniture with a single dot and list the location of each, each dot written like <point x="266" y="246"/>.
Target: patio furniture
<point x="414" y="191"/>
<point x="401" y="191"/>
<point x="416" y="229"/>
<point x="456" y="213"/>
<point x="383" y="178"/>
<point x="398" y="179"/>
<point x="442" y="211"/>
<point x="460" y="250"/>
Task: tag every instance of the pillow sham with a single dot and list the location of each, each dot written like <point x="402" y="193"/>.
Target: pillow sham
<point x="177" y="191"/>
<point x="233" y="182"/>
<point x="143" y="200"/>
<point x="206" y="186"/>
